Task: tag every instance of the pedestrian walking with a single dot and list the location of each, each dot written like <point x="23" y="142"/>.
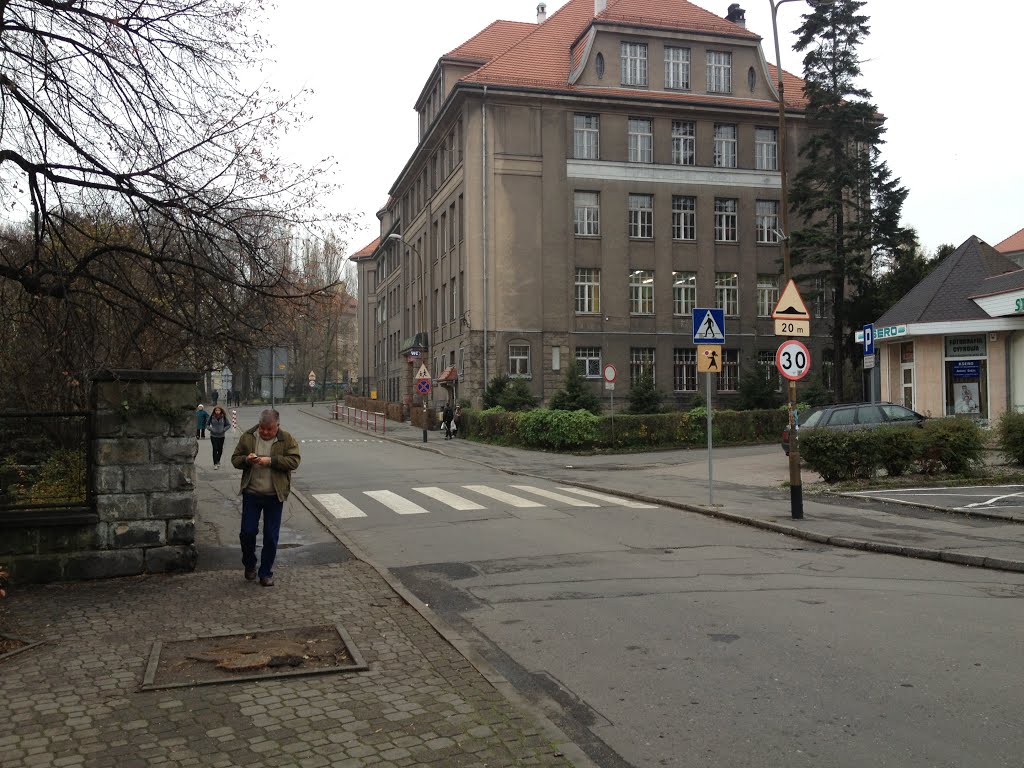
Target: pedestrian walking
<point x="267" y="456"/>
<point x="216" y="396"/>
<point x="201" y="418"/>
<point x="457" y="420"/>
<point x="218" y="425"/>
<point x="446" y="420"/>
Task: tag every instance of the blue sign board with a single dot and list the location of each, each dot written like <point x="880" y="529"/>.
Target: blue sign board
<point x="708" y="326"/>
<point x="869" y="340"/>
<point x="966" y="369"/>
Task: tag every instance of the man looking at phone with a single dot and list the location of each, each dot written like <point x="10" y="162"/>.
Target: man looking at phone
<point x="267" y="456"/>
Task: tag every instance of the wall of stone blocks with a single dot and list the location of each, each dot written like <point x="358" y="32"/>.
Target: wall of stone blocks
<point x="144" y="450"/>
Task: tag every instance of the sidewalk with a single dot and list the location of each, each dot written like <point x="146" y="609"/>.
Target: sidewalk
<point x="426" y="699"/>
<point x="749" y="488"/>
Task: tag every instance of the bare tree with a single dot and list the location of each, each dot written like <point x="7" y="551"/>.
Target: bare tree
<point x="143" y="181"/>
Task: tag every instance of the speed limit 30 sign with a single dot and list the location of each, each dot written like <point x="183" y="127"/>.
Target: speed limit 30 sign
<point x="793" y="360"/>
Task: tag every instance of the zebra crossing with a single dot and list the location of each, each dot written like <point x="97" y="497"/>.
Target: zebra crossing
<point x="358" y="504"/>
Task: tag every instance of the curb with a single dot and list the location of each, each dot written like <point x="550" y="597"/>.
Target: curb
<point x="561" y="742"/>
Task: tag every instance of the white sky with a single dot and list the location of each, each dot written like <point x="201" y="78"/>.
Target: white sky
<point x="942" y="71"/>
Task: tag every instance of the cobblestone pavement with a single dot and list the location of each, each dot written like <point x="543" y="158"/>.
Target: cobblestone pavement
<point x="75" y="699"/>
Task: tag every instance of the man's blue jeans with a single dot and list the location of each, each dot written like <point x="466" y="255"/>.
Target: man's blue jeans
<point x="252" y="507"/>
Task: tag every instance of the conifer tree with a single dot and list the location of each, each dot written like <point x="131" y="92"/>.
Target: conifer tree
<point x="847" y="201"/>
<point x="575" y="395"/>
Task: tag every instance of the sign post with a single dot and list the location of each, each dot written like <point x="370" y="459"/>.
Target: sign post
<point x="609" y="373"/>
<point x="423" y="386"/>
<point x="709" y="336"/>
<point x="792" y="319"/>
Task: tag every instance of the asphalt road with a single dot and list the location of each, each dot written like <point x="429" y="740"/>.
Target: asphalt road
<point x="654" y="637"/>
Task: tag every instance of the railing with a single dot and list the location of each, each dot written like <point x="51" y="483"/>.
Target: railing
<point x="361" y="418"/>
<point x="46" y="470"/>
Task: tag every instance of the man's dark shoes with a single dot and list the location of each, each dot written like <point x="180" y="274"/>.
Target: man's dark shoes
<point x="267" y="581"/>
<point x="250" y="575"/>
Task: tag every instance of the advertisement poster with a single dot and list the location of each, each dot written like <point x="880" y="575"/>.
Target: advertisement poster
<point x="967" y="397"/>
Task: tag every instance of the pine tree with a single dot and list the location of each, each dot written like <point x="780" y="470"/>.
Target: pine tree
<point x="845" y="195"/>
<point x="644" y="397"/>
<point x="575" y="395"/>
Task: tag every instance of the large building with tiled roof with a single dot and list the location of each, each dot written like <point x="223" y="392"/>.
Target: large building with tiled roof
<point x="580" y="186"/>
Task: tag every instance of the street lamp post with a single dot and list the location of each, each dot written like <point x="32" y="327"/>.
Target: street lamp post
<point x="796" y="499"/>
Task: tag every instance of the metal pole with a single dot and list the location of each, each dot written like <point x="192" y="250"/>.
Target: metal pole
<point x="796" y="500"/>
<point x="424" y="418"/>
<point x="271" y="376"/>
<point x="711" y="466"/>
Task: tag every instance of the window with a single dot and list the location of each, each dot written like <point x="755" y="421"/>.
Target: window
<point x="588" y="360"/>
<point x="729" y="378"/>
<point x="462" y="362"/>
<point x="588" y="291"/>
<point x="684" y="292"/>
<point x="766" y="367"/>
<point x="684" y="217"/>
<point x="684" y="147"/>
<point x="599" y="66"/>
<point x="766" y="149"/>
<point x="455" y="298"/>
<point x="719" y="72"/>
<point x="444" y="233"/>
<point x="727" y="292"/>
<point x="588" y="214"/>
<point x="641" y="292"/>
<point x="634" y="63"/>
<point x="518" y="360"/>
<point x="586" y="135"/>
<point x="641" y="361"/>
<point x="725" y="146"/>
<point x="641" y="141"/>
<point x="641" y="216"/>
<point x="725" y="220"/>
<point x="767" y="294"/>
<point x="822" y="296"/>
<point x="767" y="221"/>
<point x="677" y="68"/>
<point x="684" y="370"/>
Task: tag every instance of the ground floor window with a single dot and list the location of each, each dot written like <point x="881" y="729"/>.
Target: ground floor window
<point x="729" y="378"/>
<point x="684" y="370"/>
<point x="966" y="375"/>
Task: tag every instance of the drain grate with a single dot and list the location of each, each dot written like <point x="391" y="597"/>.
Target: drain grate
<point x="247" y="656"/>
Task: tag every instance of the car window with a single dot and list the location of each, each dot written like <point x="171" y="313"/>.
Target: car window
<point x="842" y="417"/>
<point x="870" y="414"/>
<point x="899" y="413"/>
<point x="813" y="418"/>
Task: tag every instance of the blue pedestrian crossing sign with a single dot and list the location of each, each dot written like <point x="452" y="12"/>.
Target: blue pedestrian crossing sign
<point x="708" y="326"/>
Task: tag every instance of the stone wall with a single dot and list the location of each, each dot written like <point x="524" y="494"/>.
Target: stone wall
<point x="143" y="453"/>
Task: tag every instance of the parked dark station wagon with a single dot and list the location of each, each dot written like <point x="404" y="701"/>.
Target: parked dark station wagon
<point x="848" y="416"/>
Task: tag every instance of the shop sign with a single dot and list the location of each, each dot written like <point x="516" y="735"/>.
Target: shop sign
<point x="966" y="346"/>
<point x="966" y="369"/>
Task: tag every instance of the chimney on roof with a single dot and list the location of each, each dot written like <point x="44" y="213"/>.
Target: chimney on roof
<point x="599" y="6"/>
<point x="542" y="13"/>
<point x="737" y="15"/>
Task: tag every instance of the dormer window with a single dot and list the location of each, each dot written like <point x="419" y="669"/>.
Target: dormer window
<point x="677" y="68"/>
<point x="719" y="72"/>
<point x="634" y="64"/>
<point x="599" y="66"/>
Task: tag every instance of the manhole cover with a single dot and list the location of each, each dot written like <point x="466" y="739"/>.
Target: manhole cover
<point x="251" y="656"/>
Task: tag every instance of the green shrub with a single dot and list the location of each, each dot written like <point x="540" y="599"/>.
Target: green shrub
<point x="495" y="389"/>
<point x="827" y="453"/>
<point x="644" y="397"/>
<point x="558" y="430"/>
<point x="956" y="443"/>
<point x="517" y="397"/>
<point x="898" y="448"/>
<point x="1010" y="432"/>
<point x="575" y="395"/>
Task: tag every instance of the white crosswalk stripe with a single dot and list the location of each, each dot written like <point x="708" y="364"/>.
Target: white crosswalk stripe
<point x="612" y="499"/>
<point x="396" y="503"/>
<point x="338" y="505"/>
<point x="507" y="498"/>
<point x="554" y="496"/>
<point x="447" y="497"/>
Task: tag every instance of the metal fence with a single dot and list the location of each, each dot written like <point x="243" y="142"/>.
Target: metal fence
<point x="46" y="468"/>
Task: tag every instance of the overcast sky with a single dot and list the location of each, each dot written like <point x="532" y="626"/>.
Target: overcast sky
<point x="940" y="70"/>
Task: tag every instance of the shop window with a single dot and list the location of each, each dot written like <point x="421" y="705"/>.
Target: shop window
<point x="966" y="375"/>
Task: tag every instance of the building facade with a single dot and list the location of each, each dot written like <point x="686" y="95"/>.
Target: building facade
<point x="581" y="185"/>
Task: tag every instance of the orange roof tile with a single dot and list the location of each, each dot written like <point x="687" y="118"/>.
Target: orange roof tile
<point x="492" y="41"/>
<point x="542" y="58"/>
<point x="366" y="251"/>
<point x="1013" y="243"/>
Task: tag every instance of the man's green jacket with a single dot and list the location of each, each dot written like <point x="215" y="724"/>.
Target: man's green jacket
<point x="284" y="459"/>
